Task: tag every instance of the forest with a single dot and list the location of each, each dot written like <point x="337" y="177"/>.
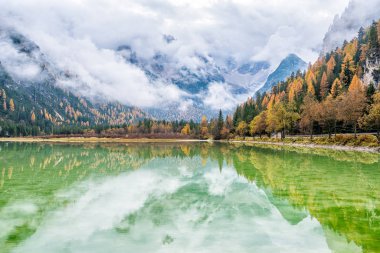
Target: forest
<point x="339" y="93"/>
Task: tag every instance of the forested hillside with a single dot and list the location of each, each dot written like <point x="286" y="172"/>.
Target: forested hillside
<point x="38" y="105"/>
<point x="338" y="93"/>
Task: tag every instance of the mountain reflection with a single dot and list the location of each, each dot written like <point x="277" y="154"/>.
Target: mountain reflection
<point x="339" y="189"/>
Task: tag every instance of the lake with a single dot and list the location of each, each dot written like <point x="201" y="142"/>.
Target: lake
<point x="196" y="197"/>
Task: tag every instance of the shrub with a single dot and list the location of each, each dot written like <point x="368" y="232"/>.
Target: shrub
<point x="368" y="140"/>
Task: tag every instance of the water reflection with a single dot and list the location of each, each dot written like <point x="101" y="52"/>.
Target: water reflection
<point x="257" y="198"/>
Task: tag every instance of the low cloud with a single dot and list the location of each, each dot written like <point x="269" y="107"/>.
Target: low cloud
<point x="17" y="64"/>
<point x="80" y="36"/>
<point x="219" y="96"/>
<point x="358" y="13"/>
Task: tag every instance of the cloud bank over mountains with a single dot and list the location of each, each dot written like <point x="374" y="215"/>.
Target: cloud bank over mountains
<point x="81" y="36"/>
<point x="357" y="14"/>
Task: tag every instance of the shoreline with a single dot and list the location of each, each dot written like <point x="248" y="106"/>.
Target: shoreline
<point x="312" y="146"/>
<point x="146" y="140"/>
<point x="93" y="140"/>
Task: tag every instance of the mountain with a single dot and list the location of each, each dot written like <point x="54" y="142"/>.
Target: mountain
<point x="238" y="79"/>
<point x="357" y="14"/>
<point x="32" y="97"/>
<point x="342" y="85"/>
<point x="291" y="64"/>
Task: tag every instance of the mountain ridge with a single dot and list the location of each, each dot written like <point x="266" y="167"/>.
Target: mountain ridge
<point x="290" y="64"/>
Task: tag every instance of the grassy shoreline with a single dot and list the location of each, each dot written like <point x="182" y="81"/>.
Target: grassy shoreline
<point x="311" y="146"/>
<point x="276" y="142"/>
<point x="93" y="140"/>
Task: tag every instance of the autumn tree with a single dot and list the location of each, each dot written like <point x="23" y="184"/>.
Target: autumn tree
<point x="33" y="117"/>
<point x="324" y="86"/>
<point x="336" y="88"/>
<point x="258" y="124"/>
<point x="372" y="119"/>
<point x="204" y="128"/>
<point x="310" y="82"/>
<point x="227" y="126"/>
<point x="309" y="114"/>
<point x="281" y="118"/>
<point x="229" y="123"/>
<point x="351" y="105"/>
<point x="327" y="114"/>
<point x="242" y="128"/>
<point x="186" y="129"/>
<point x="331" y="66"/>
<point x="11" y="105"/>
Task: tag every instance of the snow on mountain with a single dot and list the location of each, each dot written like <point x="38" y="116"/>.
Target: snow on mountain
<point x="210" y="86"/>
<point x="291" y="64"/>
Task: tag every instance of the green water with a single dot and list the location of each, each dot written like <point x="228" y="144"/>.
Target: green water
<point x="187" y="198"/>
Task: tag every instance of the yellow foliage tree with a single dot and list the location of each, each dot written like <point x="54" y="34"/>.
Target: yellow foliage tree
<point x="309" y="111"/>
<point x="242" y="128"/>
<point x="372" y="119"/>
<point x="331" y="65"/>
<point x="310" y="82"/>
<point x="356" y="84"/>
<point x="324" y="86"/>
<point x="258" y="124"/>
<point x="11" y="105"/>
<point x="336" y="88"/>
<point x="186" y="129"/>
<point x="292" y="91"/>
<point x="204" y="128"/>
<point x="33" y="117"/>
<point x="351" y="105"/>
<point x="265" y="101"/>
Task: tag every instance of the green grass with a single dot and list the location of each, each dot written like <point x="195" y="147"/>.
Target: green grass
<point x="364" y="140"/>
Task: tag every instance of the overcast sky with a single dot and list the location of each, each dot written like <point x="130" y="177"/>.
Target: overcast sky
<point x="81" y="34"/>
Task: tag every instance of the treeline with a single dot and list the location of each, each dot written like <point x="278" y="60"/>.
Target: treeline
<point x="338" y="93"/>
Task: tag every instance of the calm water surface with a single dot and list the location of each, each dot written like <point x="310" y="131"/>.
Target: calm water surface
<point x="187" y="198"/>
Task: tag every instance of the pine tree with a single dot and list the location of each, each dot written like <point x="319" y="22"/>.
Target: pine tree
<point x="361" y="34"/>
<point x="218" y="126"/>
<point x="373" y="36"/>
<point x="370" y="91"/>
<point x="347" y="72"/>
<point x="237" y="116"/>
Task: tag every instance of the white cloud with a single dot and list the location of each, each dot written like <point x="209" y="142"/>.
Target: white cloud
<point x="358" y="13"/>
<point x="219" y="96"/>
<point x="80" y="35"/>
<point x="18" y="65"/>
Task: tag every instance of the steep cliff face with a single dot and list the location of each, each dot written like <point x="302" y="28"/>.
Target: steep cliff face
<point x="372" y="68"/>
<point x="357" y="14"/>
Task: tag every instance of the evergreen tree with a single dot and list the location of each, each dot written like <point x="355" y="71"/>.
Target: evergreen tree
<point x="373" y="36"/>
<point x="218" y="126"/>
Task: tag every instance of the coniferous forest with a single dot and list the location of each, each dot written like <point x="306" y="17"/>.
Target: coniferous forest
<point x="339" y="93"/>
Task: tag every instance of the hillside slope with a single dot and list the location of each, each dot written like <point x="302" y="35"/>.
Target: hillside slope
<point x="32" y="100"/>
